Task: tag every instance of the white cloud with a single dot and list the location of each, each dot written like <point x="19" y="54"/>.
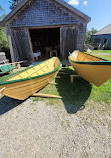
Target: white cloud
<point x="85" y="3"/>
<point x="73" y="2"/>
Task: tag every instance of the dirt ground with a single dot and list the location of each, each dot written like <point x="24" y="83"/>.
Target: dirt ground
<point x="32" y="129"/>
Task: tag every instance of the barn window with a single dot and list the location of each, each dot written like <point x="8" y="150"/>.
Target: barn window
<point x="97" y="40"/>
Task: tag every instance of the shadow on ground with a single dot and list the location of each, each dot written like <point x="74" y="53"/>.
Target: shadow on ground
<point x="7" y="104"/>
<point x="74" y="95"/>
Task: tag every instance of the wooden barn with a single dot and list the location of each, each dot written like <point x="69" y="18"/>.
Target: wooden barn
<point x="102" y="39"/>
<point x="39" y="29"/>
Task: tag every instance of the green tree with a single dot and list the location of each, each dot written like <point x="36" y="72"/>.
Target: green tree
<point x="2" y="9"/>
<point x="3" y="40"/>
<point x="89" y="35"/>
<point x="14" y="3"/>
<point x="2" y="15"/>
<point x="4" y="47"/>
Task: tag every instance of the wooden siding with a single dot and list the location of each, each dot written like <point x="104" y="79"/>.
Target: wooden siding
<point x="68" y="42"/>
<point x="81" y="36"/>
<point x="21" y="44"/>
<point x="46" y="12"/>
<point x="101" y="39"/>
<point x="40" y="14"/>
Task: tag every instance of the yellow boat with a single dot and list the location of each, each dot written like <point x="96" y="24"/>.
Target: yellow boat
<point x="91" y="68"/>
<point x="30" y="80"/>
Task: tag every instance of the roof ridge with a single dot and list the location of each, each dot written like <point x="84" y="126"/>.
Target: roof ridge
<point x="102" y="29"/>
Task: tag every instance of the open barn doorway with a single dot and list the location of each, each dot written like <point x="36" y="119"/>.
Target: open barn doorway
<point x="45" y="43"/>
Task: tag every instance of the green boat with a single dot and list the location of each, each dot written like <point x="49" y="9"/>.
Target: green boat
<point x="5" y="68"/>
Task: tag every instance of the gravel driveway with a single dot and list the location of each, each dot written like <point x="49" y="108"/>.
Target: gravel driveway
<point x="32" y="129"/>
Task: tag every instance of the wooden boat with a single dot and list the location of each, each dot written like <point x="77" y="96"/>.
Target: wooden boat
<point x="91" y="68"/>
<point x="5" y="68"/>
<point x="30" y="80"/>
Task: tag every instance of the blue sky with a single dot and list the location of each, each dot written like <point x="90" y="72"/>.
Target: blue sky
<point x="98" y="10"/>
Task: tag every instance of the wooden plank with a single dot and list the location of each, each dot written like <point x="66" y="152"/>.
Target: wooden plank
<point x="69" y="24"/>
<point x="57" y="77"/>
<point x="68" y="42"/>
<point x="1" y="90"/>
<point x="72" y="77"/>
<point x="18" y="62"/>
<point x="4" y="61"/>
<point x="22" y="44"/>
<point x="46" y="95"/>
<point x="62" y="72"/>
<point x="15" y="63"/>
<point x="15" y="50"/>
<point x="11" y="48"/>
<point x="53" y="83"/>
<point x="30" y="43"/>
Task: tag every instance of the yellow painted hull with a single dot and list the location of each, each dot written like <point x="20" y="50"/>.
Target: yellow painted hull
<point x="92" y="69"/>
<point x="21" y="88"/>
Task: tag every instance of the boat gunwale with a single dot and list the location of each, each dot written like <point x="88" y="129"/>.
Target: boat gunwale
<point x="25" y="79"/>
<point x="104" y="62"/>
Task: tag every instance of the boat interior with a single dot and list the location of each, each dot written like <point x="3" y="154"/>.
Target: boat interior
<point x="79" y="56"/>
<point x="37" y="70"/>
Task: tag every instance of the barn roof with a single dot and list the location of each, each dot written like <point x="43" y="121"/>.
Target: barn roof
<point x="64" y="4"/>
<point x="105" y="30"/>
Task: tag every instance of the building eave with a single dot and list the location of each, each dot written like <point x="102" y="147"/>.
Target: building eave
<point x="74" y="10"/>
<point x="102" y="34"/>
<point x="13" y="12"/>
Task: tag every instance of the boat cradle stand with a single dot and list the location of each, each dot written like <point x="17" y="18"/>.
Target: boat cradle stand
<point x="72" y="77"/>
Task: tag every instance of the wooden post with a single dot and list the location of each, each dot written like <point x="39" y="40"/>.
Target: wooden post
<point x="11" y="48"/>
<point x="72" y="77"/>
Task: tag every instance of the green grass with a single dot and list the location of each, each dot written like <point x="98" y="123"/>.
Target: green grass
<point x="105" y="54"/>
<point x="102" y="93"/>
<point x="79" y="94"/>
<point x="102" y="51"/>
